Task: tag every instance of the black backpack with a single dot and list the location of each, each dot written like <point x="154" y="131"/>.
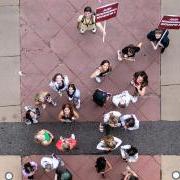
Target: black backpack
<point x="99" y="97"/>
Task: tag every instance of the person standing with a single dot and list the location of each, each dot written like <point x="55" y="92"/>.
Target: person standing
<point x="128" y="53"/>
<point x="74" y="95"/>
<point x="103" y="70"/>
<point x="59" y="83"/>
<point x="87" y="22"/>
<point x="29" y="169"/>
<point x="103" y="166"/>
<point x="68" y="114"/>
<point x="159" y="38"/>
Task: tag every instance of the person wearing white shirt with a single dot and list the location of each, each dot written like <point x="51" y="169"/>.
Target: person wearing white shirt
<point x="129" y="153"/>
<point x="129" y="121"/>
<point x="109" y="143"/>
<point x="112" y="118"/>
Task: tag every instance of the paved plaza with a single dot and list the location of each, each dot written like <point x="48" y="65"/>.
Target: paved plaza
<point x="40" y="38"/>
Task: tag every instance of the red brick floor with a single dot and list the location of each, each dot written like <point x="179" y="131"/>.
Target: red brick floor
<point x="50" y="43"/>
<point x="82" y="167"/>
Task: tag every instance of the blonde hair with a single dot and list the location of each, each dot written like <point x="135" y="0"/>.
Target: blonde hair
<point x="109" y="141"/>
<point x="113" y="119"/>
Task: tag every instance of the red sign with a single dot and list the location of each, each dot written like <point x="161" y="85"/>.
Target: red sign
<point x="106" y="12"/>
<point x="170" y="22"/>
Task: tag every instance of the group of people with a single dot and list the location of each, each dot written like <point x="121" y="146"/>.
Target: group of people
<point x="61" y="85"/>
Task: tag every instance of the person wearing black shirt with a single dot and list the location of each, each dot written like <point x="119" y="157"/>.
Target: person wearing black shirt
<point x="62" y="174"/>
<point x="128" y="53"/>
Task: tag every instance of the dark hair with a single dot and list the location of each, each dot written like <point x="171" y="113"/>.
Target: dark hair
<point x="28" y="167"/>
<point x="144" y="76"/>
<point x="104" y="61"/>
<point x="88" y="9"/>
<point x="72" y="86"/>
<point x="132" y="151"/>
<point x="133" y="177"/>
<point x="28" y="116"/>
<point x="130" y="122"/>
<point x="100" y="164"/>
<point x="67" y="105"/>
<point x="55" y="76"/>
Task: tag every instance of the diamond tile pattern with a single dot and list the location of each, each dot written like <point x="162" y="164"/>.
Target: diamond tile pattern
<point x="50" y="43"/>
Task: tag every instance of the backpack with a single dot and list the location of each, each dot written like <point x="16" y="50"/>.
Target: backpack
<point x="99" y="97"/>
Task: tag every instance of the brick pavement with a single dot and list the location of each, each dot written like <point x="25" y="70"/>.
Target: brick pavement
<point x="50" y="43"/>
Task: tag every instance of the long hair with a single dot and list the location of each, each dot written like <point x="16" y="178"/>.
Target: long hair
<point x="72" y="86"/>
<point x="109" y="141"/>
<point x="55" y="76"/>
<point x="28" y="167"/>
<point x="144" y="76"/>
<point x="100" y="164"/>
<point x="132" y="151"/>
<point x="70" y="108"/>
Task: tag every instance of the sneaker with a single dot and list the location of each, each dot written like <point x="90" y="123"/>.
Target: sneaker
<point x="94" y="30"/>
<point x="98" y="79"/>
<point x="78" y="106"/>
<point x="73" y="136"/>
<point x="162" y="50"/>
<point x="70" y="99"/>
<point x="101" y="128"/>
<point x="27" y="108"/>
<point x="54" y="103"/>
<point x="27" y="122"/>
<point x="35" y="121"/>
<point x="119" y="55"/>
<point x="134" y="99"/>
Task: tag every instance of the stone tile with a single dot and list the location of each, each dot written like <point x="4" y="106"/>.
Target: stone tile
<point x="9" y="20"/>
<point x="168" y="165"/>
<point x="151" y="108"/>
<point x="10" y="114"/>
<point x="57" y="44"/>
<point x="10" y="81"/>
<point x="10" y="164"/>
<point x="9" y="2"/>
<point x="121" y="76"/>
<point x="150" y="171"/>
<point x="169" y="63"/>
<point x="54" y="8"/>
<point x="170" y="7"/>
<point x="154" y="76"/>
<point x="39" y="19"/>
<point x="169" y="103"/>
<point x="77" y="61"/>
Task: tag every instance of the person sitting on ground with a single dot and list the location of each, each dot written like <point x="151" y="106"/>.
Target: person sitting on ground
<point x="123" y="99"/>
<point x="87" y="22"/>
<point x="129" y="121"/>
<point x="140" y="82"/>
<point x="129" y="52"/>
<point x="62" y="173"/>
<point x="66" y="144"/>
<point x="109" y="143"/>
<point x="156" y="41"/>
<point x="104" y="69"/>
<point x="129" y="174"/>
<point x="129" y="153"/>
<point x="32" y="115"/>
<point x="68" y="114"/>
<point x="100" y="97"/>
<point x="44" y="98"/>
<point x="29" y="169"/>
<point x="59" y="83"/>
<point x="74" y="95"/>
<point x="102" y="166"/>
<point x="44" y="137"/>
<point x="51" y="163"/>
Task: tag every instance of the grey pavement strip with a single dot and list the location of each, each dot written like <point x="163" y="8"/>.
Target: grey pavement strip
<point x="153" y="138"/>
